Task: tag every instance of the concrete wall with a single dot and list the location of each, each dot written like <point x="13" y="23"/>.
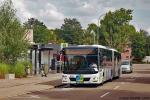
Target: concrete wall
<point x="146" y="59"/>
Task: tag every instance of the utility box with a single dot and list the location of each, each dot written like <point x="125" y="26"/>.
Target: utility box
<point x="10" y="76"/>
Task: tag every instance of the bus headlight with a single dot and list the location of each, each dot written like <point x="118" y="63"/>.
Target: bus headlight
<point x="64" y="77"/>
<point x="95" y="79"/>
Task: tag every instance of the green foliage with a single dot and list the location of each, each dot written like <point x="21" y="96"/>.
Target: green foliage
<point x="27" y="63"/>
<point x="147" y="44"/>
<point x="71" y="31"/>
<point x="88" y="38"/>
<point x="41" y="34"/>
<point x="90" y="34"/>
<point x="93" y="27"/>
<point x="54" y="37"/>
<point x="118" y="33"/>
<point x="19" y="69"/>
<point x="115" y="27"/>
<point x="4" y="69"/>
<point x="12" y="35"/>
<point x="138" y="45"/>
<point x="40" y="31"/>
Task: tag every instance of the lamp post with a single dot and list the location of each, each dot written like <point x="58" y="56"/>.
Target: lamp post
<point x="98" y="27"/>
<point x="93" y="33"/>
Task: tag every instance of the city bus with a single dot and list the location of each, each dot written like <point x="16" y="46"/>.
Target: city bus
<point x="90" y="64"/>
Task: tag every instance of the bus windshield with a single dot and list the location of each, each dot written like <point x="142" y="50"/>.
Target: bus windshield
<point x="125" y="63"/>
<point x="78" y="62"/>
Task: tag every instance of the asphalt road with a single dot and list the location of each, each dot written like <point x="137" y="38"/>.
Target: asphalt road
<point x="131" y="86"/>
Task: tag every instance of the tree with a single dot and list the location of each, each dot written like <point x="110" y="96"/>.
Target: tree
<point x="59" y="35"/>
<point x="115" y="27"/>
<point x="90" y="34"/>
<point x="93" y="27"/>
<point x="88" y="37"/>
<point x="41" y="34"/>
<point x="138" y="45"/>
<point x="40" y="31"/>
<point x="72" y="31"/>
<point x="13" y="44"/>
<point x="147" y="38"/>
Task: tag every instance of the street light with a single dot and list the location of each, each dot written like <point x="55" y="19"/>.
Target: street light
<point x="93" y="33"/>
<point x="98" y="27"/>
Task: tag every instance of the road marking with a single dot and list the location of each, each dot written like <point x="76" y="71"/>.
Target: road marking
<point x="63" y="89"/>
<point x="67" y="89"/>
<point x="105" y="94"/>
<point x="122" y="82"/>
<point x="34" y="96"/>
<point x="130" y="79"/>
<point x="28" y="97"/>
<point x="116" y="87"/>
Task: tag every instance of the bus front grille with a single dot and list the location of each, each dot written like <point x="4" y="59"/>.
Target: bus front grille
<point x="74" y="79"/>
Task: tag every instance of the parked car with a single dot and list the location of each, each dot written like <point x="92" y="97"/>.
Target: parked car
<point x="126" y="66"/>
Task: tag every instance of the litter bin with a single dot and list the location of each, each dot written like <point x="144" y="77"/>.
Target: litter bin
<point x="44" y="70"/>
<point x="58" y="66"/>
<point x="27" y="70"/>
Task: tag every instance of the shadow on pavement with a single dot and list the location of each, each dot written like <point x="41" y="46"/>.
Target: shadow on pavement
<point x="78" y="86"/>
<point x="58" y="84"/>
<point x="143" y="80"/>
<point x="94" y="95"/>
<point x="143" y="72"/>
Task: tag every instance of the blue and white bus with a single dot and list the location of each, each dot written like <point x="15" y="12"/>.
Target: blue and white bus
<point x="90" y="64"/>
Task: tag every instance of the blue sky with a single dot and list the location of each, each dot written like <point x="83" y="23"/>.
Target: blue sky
<point x="52" y="12"/>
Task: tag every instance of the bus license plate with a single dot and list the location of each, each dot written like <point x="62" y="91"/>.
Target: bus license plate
<point x="79" y="79"/>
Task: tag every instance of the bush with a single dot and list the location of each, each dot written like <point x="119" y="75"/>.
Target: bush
<point x="19" y="70"/>
<point x="27" y="63"/>
<point x="28" y="67"/>
<point x="4" y="69"/>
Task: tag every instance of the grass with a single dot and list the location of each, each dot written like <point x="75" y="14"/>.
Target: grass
<point x="19" y="70"/>
<point x="4" y="69"/>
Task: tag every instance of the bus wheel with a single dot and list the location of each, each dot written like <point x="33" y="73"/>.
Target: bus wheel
<point x="111" y="79"/>
<point x="72" y="85"/>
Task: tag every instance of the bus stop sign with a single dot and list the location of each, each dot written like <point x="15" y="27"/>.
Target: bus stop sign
<point x="63" y="45"/>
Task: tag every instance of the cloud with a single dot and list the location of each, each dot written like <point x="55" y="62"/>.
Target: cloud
<point x="94" y="21"/>
<point x="41" y="9"/>
<point x="86" y="9"/>
<point x="22" y="12"/>
<point x="52" y="12"/>
<point x="148" y="30"/>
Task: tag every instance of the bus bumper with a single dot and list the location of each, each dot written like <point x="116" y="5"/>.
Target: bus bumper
<point x="86" y="79"/>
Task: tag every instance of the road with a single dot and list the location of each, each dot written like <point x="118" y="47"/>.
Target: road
<point x="131" y="86"/>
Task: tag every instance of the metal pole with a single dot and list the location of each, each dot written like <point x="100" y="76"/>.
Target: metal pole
<point x="40" y="61"/>
<point x="35" y="70"/>
<point x="94" y="38"/>
<point x="93" y="33"/>
<point x="98" y="28"/>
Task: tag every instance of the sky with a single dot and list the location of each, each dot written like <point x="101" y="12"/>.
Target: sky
<point x="53" y="12"/>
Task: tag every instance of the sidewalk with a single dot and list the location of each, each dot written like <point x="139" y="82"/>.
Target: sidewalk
<point x="10" y="88"/>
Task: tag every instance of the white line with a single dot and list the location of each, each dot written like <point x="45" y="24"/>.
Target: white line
<point x="116" y="87"/>
<point x="105" y="94"/>
<point x="122" y="83"/>
<point x="28" y="97"/>
<point x="132" y="77"/>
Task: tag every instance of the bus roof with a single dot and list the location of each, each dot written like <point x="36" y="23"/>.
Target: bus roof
<point x="97" y="46"/>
